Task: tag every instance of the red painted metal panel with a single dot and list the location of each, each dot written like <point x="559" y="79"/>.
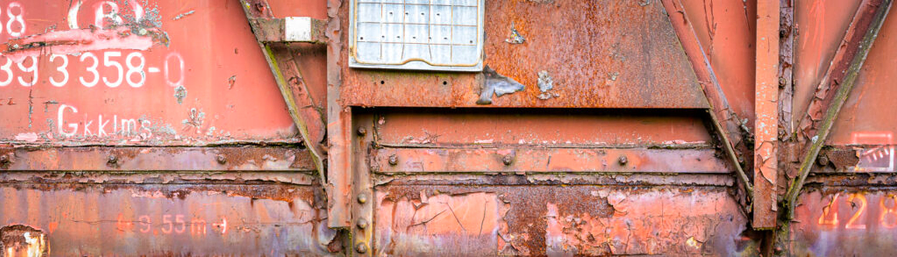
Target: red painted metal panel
<point x="141" y="127"/>
<point x="547" y="220"/>
<point x="837" y="221"/>
<point x="726" y="30"/>
<point x="606" y="54"/>
<point x="155" y="74"/>
<point x="112" y="219"/>
<point x="866" y="112"/>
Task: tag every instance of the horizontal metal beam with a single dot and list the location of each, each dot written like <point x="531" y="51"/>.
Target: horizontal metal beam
<point x="155" y="159"/>
<point x="424" y="160"/>
<point x="289" y="29"/>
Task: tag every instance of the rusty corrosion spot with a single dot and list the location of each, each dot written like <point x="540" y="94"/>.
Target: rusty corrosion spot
<point x="21" y="240"/>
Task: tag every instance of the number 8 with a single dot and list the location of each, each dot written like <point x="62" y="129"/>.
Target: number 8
<point x="17" y="18"/>
<point x="135" y="69"/>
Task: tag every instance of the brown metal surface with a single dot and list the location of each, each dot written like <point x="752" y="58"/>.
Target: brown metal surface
<point x="611" y="55"/>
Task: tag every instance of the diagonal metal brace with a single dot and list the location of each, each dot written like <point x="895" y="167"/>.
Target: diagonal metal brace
<point x="724" y="121"/>
<point x="266" y="30"/>
<point x="870" y="15"/>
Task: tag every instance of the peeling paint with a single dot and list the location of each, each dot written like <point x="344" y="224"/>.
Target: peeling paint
<point x="515" y="37"/>
<point x="546" y="83"/>
<point x="180" y="16"/>
<point x="497" y="84"/>
<point x="438" y="223"/>
<point x="180" y="93"/>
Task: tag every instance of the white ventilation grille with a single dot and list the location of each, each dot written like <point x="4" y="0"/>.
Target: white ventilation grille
<point x="445" y="35"/>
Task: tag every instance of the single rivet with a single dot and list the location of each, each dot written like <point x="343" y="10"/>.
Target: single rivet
<point x="623" y="160"/>
<point x="362" y="198"/>
<point x="361" y="248"/>
<point x="361" y="223"/>
<point x="4" y="159"/>
<point x="221" y="159"/>
<point x="362" y="131"/>
<point x="393" y="160"/>
<point x="112" y="159"/>
<point x="823" y="160"/>
<point x="507" y="159"/>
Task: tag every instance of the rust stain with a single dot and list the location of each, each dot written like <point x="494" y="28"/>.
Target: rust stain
<point x="22" y="240"/>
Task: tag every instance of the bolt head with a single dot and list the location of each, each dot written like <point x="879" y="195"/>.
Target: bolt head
<point x="507" y="159"/>
<point x="393" y="160"/>
<point x="623" y="160"/>
<point x="221" y="159"/>
<point x="822" y="160"/>
<point x="4" y="158"/>
<point x="362" y="198"/>
<point x="361" y="223"/>
<point x="361" y="248"/>
<point x="112" y="159"/>
<point x="362" y="131"/>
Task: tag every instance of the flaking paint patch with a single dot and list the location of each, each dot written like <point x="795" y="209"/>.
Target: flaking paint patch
<point x="546" y="83"/>
<point x="22" y="240"/>
<point x="655" y="222"/>
<point x="180" y="93"/>
<point x="497" y="84"/>
<point x="439" y="223"/>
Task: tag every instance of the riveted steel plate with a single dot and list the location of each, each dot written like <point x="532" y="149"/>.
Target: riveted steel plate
<point x="445" y="35"/>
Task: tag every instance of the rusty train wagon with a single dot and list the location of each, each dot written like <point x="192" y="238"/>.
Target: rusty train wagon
<point x="447" y="127"/>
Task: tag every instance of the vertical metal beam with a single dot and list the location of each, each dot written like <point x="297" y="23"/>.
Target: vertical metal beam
<point x="786" y="69"/>
<point x="766" y="110"/>
<point x="721" y="115"/>
<point x="339" y="124"/>
<point x="362" y="188"/>
<point x="839" y="78"/>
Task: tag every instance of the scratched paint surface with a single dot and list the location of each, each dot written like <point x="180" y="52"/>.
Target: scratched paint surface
<point x="169" y="219"/>
<point x="135" y="72"/>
